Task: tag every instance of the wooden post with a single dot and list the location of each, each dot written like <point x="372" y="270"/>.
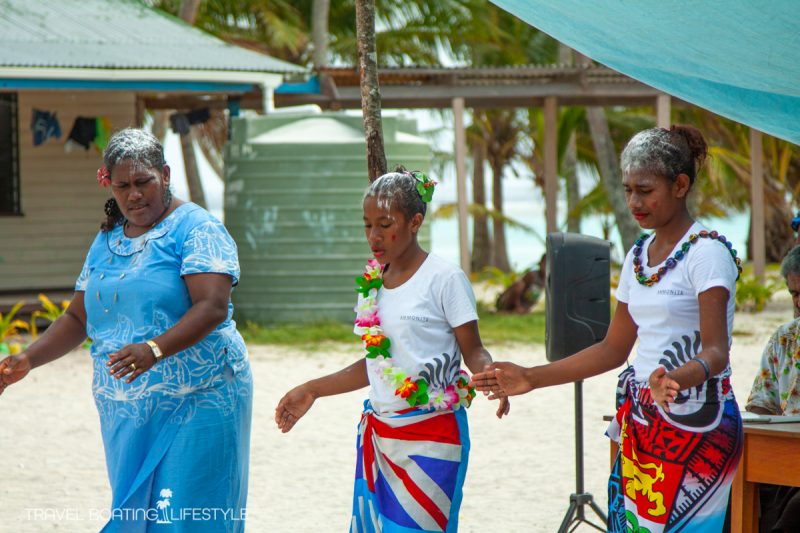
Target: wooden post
<point x="551" y="162"/>
<point x="461" y="182"/>
<point x="757" y="227"/>
<point x="663" y="111"/>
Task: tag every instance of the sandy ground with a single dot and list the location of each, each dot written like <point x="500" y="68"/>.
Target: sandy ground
<point x="521" y="471"/>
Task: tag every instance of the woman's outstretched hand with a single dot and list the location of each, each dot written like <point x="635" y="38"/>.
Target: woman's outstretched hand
<point x="292" y="407"/>
<point x="663" y="389"/>
<point x="12" y="369"/>
<point x="502" y="379"/>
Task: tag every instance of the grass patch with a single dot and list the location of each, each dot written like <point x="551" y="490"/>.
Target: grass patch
<point x="495" y="328"/>
<point x="498" y="327"/>
<point x="298" y="334"/>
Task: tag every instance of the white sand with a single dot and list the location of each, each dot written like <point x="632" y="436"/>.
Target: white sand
<point x="521" y="472"/>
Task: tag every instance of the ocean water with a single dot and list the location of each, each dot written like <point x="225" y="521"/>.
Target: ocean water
<point x="523" y="202"/>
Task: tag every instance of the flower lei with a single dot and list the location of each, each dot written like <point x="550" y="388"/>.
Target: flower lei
<point x="672" y="262"/>
<point x="414" y="390"/>
<point x="103" y="177"/>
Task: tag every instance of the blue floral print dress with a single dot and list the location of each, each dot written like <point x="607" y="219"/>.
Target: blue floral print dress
<point x="177" y="438"/>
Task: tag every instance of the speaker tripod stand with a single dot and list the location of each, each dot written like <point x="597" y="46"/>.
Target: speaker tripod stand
<point x="575" y="513"/>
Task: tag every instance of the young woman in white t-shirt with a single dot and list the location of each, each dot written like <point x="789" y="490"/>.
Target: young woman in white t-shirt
<point x="678" y="424"/>
<point x="416" y="315"/>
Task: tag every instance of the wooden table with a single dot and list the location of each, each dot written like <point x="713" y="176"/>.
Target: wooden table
<point x="771" y="455"/>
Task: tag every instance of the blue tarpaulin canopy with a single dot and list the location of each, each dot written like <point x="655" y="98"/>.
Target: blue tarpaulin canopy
<point x="737" y="58"/>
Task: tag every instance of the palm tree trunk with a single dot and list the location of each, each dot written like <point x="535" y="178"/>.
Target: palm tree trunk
<point x="319" y="32"/>
<point x="500" y="251"/>
<point x="196" y="193"/>
<point x="160" y="124"/>
<point x="569" y="167"/>
<point x="779" y="237"/>
<point x="481" y="243"/>
<point x="611" y="175"/>
<point x="569" y="162"/>
<point x="188" y="13"/>
<point x="370" y="89"/>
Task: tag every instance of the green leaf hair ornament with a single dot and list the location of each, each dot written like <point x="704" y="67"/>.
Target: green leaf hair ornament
<point x="425" y="186"/>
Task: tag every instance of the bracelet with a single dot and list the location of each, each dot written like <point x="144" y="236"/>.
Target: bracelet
<point x="158" y="354"/>
<point x="705" y="367"/>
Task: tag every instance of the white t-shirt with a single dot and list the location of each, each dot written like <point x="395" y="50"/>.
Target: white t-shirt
<point x="668" y="313"/>
<point x="418" y="317"/>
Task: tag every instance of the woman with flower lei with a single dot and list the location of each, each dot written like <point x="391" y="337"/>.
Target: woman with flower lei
<point x="678" y="424"/>
<point x="416" y="317"/>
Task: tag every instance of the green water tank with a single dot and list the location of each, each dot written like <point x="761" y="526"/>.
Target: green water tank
<point x="294" y="186"/>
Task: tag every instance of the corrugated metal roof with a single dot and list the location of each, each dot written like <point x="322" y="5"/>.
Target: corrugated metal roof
<point x="118" y="34"/>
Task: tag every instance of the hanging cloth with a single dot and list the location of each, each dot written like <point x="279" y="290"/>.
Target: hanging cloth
<point x="44" y="125"/>
<point x="83" y="132"/>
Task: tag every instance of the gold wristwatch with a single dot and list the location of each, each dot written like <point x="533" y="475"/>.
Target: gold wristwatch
<point x="159" y="355"/>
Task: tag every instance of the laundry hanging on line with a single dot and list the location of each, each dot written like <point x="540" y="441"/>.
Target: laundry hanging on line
<point x="87" y="131"/>
<point x="44" y="125"/>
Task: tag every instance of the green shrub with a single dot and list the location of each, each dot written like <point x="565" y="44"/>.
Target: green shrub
<point x="752" y="293"/>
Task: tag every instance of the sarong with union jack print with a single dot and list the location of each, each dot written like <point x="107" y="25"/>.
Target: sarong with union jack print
<point x="410" y="471"/>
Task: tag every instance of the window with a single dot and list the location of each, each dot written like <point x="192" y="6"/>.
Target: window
<point x="9" y="155"/>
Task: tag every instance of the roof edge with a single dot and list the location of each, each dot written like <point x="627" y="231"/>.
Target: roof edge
<point x="266" y="79"/>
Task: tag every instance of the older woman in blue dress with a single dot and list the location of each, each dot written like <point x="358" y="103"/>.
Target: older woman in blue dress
<point x="172" y="380"/>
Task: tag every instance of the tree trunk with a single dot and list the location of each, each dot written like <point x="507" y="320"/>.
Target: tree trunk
<point x="611" y="175"/>
<point x="319" y="32"/>
<point x="481" y="243"/>
<point x="370" y="90"/>
<point x="160" y="125"/>
<point x="569" y="163"/>
<point x="196" y="193"/>
<point x="500" y="251"/>
<point x="779" y="237"/>
<point x="569" y="167"/>
<point x="188" y="13"/>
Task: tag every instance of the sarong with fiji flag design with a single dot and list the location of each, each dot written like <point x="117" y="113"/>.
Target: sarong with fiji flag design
<point x="674" y="469"/>
<point x="410" y="471"/>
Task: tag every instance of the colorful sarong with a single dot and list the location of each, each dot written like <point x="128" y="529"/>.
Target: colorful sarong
<point x="674" y="470"/>
<point x="410" y="471"/>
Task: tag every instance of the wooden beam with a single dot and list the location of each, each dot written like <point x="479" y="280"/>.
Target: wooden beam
<point x="461" y="182"/>
<point x="551" y="162"/>
<point x="757" y="239"/>
<point x="414" y="96"/>
<point x="663" y="111"/>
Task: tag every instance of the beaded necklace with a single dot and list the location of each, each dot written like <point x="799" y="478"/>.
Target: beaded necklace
<point x="415" y="390"/>
<point x="672" y="262"/>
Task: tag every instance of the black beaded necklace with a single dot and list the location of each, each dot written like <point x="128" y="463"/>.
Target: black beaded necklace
<point x="672" y="262"/>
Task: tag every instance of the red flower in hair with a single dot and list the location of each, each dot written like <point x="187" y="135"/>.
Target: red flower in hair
<point x="103" y="176"/>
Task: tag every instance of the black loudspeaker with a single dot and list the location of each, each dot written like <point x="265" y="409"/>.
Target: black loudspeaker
<point x="578" y="293"/>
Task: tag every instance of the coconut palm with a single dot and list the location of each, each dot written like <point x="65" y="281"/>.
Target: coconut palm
<point x="726" y="188"/>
